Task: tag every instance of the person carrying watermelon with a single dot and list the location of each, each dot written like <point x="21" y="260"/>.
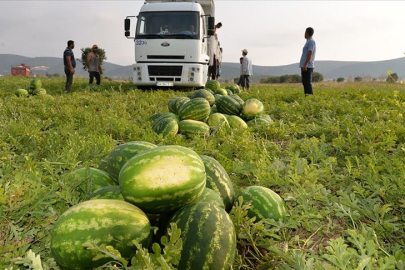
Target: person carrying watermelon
<point x="94" y="66"/>
<point x="69" y="63"/>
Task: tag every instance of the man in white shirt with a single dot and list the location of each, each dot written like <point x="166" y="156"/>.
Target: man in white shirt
<point x="247" y="70"/>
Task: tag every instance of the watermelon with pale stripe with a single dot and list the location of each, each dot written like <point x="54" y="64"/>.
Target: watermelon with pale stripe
<point x="260" y="121"/>
<point x="228" y="105"/>
<point x="192" y="127"/>
<point x="90" y="179"/>
<point x="108" y="192"/>
<point x="167" y="127"/>
<point x="229" y="92"/>
<point x="195" y="109"/>
<point x="221" y="92"/>
<point x="172" y="105"/>
<point x="211" y="196"/>
<point x="238" y="99"/>
<point x="218" y="180"/>
<point x="251" y="109"/>
<point x="212" y="85"/>
<point x="218" y="121"/>
<point x="236" y="123"/>
<point x="154" y="117"/>
<point x="208" y="235"/>
<point x="180" y="101"/>
<point x="203" y="93"/>
<point x="103" y="222"/>
<point x="265" y="203"/>
<point x="163" y="179"/>
<point x="235" y="89"/>
<point x="114" y="161"/>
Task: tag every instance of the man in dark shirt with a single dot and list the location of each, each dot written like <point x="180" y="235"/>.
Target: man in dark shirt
<point x="69" y="63"/>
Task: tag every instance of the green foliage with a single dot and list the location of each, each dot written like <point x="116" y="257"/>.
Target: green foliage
<point x="296" y="78"/>
<point x="340" y="79"/>
<point x="85" y="52"/>
<point x="336" y="158"/>
<point x="358" y="79"/>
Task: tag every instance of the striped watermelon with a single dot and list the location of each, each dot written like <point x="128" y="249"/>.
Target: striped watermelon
<point x="196" y="109"/>
<point x="166" y="115"/>
<point x="211" y="196"/>
<point x="212" y="85"/>
<point x="229" y="92"/>
<point x="163" y="179"/>
<point x="113" y="163"/>
<point x="221" y="92"/>
<point x="203" y="93"/>
<point x="219" y="181"/>
<point x="259" y="122"/>
<point x="265" y="203"/>
<point x="168" y="127"/>
<point x="21" y="93"/>
<point x="193" y="127"/>
<point x="90" y="179"/>
<point x="218" y="121"/>
<point x="228" y="105"/>
<point x="103" y="222"/>
<point x="238" y="99"/>
<point x="172" y="105"/>
<point x="236" y="123"/>
<point x="108" y="192"/>
<point x="180" y="101"/>
<point x="154" y="117"/>
<point x="235" y="89"/>
<point x="209" y="238"/>
<point x="252" y="108"/>
<point x="213" y="109"/>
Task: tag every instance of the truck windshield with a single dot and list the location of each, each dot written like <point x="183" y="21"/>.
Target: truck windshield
<point x="173" y="24"/>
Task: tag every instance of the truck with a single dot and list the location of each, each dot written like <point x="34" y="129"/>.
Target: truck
<point x="175" y="44"/>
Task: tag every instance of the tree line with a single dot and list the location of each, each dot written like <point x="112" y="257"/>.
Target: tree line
<point x="295" y="78"/>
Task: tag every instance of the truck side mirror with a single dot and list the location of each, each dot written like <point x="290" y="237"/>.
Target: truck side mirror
<point x="211" y="26"/>
<point x="127" y="27"/>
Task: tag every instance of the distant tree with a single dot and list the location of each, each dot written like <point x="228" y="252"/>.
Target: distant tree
<point x="392" y="78"/>
<point x="86" y="51"/>
<point x="340" y="79"/>
<point x="358" y="79"/>
<point x="317" y="77"/>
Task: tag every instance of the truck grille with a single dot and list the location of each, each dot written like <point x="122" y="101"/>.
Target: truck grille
<point x="165" y="70"/>
<point x="165" y="56"/>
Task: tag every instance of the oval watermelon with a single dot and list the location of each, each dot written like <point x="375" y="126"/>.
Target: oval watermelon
<point x="168" y="127"/>
<point x="114" y="161"/>
<point x="103" y="222"/>
<point x="180" y="101"/>
<point x="203" y="93"/>
<point x="163" y="179"/>
<point x="193" y="127"/>
<point x="259" y="122"/>
<point x="236" y="123"/>
<point x="211" y="196"/>
<point x="21" y="93"/>
<point x="221" y="92"/>
<point x="208" y="235"/>
<point x="172" y="105"/>
<point x="265" y="203"/>
<point x="218" y="180"/>
<point x="252" y="108"/>
<point x="212" y="85"/>
<point x="90" y="179"/>
<point x="218" y="121"/>
<point x="154" y="117"/>
<point x="238" y="99"/>
<point x="228" y="105"/>
<point x="36" y="83"/>
<point x="196" y="109"/>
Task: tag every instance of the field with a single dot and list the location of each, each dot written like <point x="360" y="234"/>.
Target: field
<point x="336" y="158"/>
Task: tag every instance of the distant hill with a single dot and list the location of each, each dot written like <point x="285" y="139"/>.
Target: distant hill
<point x="330" y="69"/>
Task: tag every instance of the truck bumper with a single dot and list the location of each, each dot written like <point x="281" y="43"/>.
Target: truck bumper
<point x="170" y="74"/>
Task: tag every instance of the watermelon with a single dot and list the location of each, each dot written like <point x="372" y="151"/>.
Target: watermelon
<point x="213" y="109"/>
<point x="203" y="93"/>
<point x="208" y="235"/>
<point x="228" y="105"/>
<point x="211" y="196"/>
<point x="212" y="85"/>
<point x="35" y="83"/>
<point x="90" y="179"/>
<point x="265" y="203"/>
<point x="252" y="108"/>
<point x="193" y="127"/>
<point x="108" y="192"/>
<point x="168" y="127"/>
<point x="209" y="90"/>
<point x="238" y="99"/>
<point x="103" y="222"/>
<point x="218" y="180"/>
<point x="229" y="92"/>
<point x="39" y="91"/>
<point x="114" y="161"/>
<point x="218" y="121"/>
<point x="172" y="105"/>
<point x="217" y="96"/>
<point x="235" y="89"/>
<point x="180" y="101"/>
<point x="163" y="179"/>
<point x="195" y="109"/>
<point x="166" y="115"/>
<point x="154" y="117"/>
<point x="221" y="92"/>
<point x="21" y="93"/>
<point x="237" y="123"/>
<point x="259" y="121"/>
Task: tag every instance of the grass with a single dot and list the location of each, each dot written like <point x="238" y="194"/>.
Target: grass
<point x="336" y="158"/>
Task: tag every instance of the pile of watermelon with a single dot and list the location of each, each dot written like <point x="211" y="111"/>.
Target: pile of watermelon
<point x="208" y="110"/>
<point x="33" y="89"/>
<point x="140" y="185"/>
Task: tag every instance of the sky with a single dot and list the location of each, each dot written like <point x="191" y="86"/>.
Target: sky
<point x="272" y="31"/>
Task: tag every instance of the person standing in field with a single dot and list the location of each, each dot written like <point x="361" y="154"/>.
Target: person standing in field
<point x="247" y="70"/>
<point x="94" y="66"/>
<point x="240" y="73"/>
<point x="69" y="63"/>
<point x="307" y="61"/>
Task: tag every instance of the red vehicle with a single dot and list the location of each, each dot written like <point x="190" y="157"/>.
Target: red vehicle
<point x="22" y="69"/>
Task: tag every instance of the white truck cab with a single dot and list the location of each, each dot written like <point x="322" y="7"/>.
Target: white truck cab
<point x="175" y="44"/>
